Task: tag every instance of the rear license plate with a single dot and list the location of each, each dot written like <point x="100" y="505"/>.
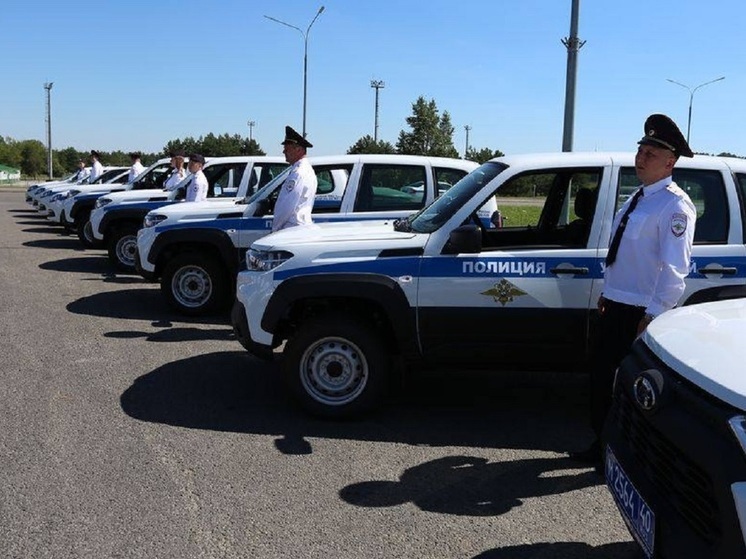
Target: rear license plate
<point x="636" y="513"/>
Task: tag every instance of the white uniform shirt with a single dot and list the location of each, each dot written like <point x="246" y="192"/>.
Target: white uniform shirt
<point x="96" y="170"/>
<point x="655" y="251"/>
<point x="196" y="190"/>
<point x="295" y="201"/>
<point x="135" y="170"/>
<point x="176" y="176"/>
<point x="82" y="174"/>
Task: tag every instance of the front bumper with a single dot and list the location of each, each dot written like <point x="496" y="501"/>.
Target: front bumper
<point x="96" y="216"/>
<point x="243" y="334"/>
<point x="682" y="458"/>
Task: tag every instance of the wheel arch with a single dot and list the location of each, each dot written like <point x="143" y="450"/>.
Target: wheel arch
<point x="171" y="243"/>
<point x="378" y="299"/>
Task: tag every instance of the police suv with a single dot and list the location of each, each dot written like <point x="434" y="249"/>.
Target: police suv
<point x="676" y="434"/>
<point x="76" y="209"/>
<point x="117" y="217"/>
<point x="196" y="254"/>
<point x="354" y="301"/>
<point x="114" y="177"/>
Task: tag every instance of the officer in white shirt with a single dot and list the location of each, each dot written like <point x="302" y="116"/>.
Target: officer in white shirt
<point x="295" y="201"/>
<point x="648" y="259"/>
<point x="178" y="173"/>
<point x="96" y="167"/>
<point x="137" y="167"/>
<point x="83" y="173"/>
<point x="196" y="190"/>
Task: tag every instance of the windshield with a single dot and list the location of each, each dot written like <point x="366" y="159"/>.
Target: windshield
<point x="264" y="191"/>
<point x="441" y="210"/>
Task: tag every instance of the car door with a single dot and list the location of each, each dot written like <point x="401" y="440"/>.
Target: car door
<point x="523" y="300"/>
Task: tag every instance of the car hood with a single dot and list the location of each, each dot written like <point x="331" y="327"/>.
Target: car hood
<point x="354" y="233"/>
<point x="705" y="344"/>
<point x="137" y="195"/>
<point x="201" y="210"/>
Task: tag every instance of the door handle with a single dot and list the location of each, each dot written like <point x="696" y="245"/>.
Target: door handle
<point x="729" y="271"/>
<point x="572" y="271"/>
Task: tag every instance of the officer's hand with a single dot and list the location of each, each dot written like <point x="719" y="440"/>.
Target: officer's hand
<point x="601" y="304"/>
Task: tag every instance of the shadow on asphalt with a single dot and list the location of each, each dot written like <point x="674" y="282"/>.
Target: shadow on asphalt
<point x="95" y="264"/>
<point x="234" y="392"/>
<point x="141" y="304"/>
<point x="67" y="243"/>
<point x="472" y="486"/>
<point x="565" y="550"/>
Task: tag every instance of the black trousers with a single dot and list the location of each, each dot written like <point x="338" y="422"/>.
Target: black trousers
<point x="617" y="330"/>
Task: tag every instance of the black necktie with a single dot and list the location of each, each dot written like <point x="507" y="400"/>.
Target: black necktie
<point x="614" y="246"/>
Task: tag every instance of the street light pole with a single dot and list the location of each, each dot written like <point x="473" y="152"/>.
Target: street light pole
<point x="466" y="150"/>
<point x="691" y="99"/>
<point x="251" y="125"/>
<point x="48" y="87"/>
<point x="305" y="56"/>
<point x="376" y="84"/>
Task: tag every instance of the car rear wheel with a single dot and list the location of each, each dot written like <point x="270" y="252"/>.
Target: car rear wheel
<point x="336" y="366"/>
<point x="195" y="284"/>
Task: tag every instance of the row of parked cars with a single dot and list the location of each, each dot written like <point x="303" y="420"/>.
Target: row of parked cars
<point x="407" y="267"/>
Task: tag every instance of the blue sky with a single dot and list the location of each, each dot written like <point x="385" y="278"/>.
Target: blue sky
<point x="134" y="75"/>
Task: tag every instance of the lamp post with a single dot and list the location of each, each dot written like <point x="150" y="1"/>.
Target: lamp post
<point x="691" y="99"/>
<point x="376" y="84"/>
<point x="305" y="56"/>
<point x="251" y="125"/>
<point x="48" y="87"/>
<point x="466" y="149"/>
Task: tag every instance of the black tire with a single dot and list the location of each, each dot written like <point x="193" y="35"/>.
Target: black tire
<point x="85" y="232"/>
<point x="336" y="366"/>
<point x="195" y="284"/>
<point x="122" y="247"/>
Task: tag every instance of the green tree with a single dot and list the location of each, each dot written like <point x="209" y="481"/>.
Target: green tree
<point x="211" y="145"/>
<point x="431" y="133"/>
<point x="482" y="155"/>
<point x="367" y="144"/>
<point x="10" y="153"/>
<point x="33" y="158"/>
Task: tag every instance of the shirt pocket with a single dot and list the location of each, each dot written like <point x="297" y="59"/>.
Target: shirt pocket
<point x="635" y="226"/>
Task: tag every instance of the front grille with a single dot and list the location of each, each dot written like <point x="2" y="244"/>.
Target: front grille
<point x="687" y="486"/>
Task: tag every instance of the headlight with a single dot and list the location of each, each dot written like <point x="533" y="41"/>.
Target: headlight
<point x="58" y="196"/>
<point x="71" y="193"/>
<point x="101" y="202"/>
<point x="151" y="220"/>
<point x="266" y="260"/>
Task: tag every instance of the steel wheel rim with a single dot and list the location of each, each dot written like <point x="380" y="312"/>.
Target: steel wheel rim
<point x="88" y="232"/>
<point x="126" y="247"/>
<point x="334" y="371"/>
<point x="191" y="286"/>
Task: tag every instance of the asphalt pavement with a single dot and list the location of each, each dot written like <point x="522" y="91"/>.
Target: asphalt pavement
<point x="128" y="431"/>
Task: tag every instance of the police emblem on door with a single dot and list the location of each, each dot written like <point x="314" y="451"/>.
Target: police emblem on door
<point x="504" y="292"/>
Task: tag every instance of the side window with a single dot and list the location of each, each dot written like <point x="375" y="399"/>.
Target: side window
<point x="547" y="209"/>
<point x="391" y="188"/>
<point x="332" y="183"/>
<point x="226" y="177"/>
<point x="707" y="192"/>
<point x="446" y="178"/>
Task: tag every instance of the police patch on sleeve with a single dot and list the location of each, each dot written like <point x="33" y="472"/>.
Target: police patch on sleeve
<point x="290" y="185"/>
<point x="678" y="224"/>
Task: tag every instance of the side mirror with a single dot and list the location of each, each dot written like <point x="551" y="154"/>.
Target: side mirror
<point x="497" y="219"/>
<point x="466" y="239"/>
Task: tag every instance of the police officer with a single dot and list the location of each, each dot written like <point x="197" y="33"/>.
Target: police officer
<point x="647" y="262"/>
<point x="82" y="174"/>
<point x="295" y="201"/>
<point x="96" y="167"/>
<point x="137" y="167"/>
<point x="178" y="173"/>
<point x="196" y="190"/>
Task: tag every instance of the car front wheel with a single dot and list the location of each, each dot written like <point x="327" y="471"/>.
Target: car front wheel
<point x="195" y="284"/>
<point x="336" y="366"/>
<point x="123" y="247"/>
